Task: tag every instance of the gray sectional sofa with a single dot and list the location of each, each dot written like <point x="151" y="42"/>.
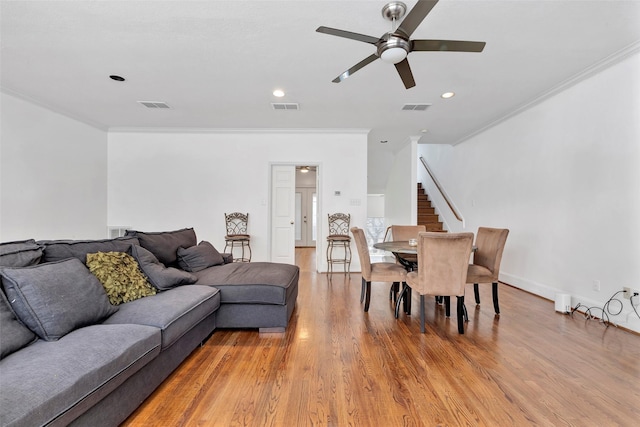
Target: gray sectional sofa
<point x="71" y="357"/>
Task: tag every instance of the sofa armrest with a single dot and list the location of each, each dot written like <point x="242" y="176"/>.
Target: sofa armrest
<point x="228" y="258"/>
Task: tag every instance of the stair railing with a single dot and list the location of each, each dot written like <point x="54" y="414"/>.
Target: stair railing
<point x="442" y="192"/>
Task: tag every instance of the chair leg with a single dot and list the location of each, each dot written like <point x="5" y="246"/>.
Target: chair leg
<point x="399" y="300"/>
<point x="496" y="306"/>
<point x="466" y="315"/>
<point x="461" y="315"/>
<point x="393" y="292"/>
<point x="447" y="306"/>
<point x="367" y="296"/>
<point x="422" y="328"/>
<point x="476" y="292"/>
<point x="407" y="301"/>
<point x="362" y="291"/>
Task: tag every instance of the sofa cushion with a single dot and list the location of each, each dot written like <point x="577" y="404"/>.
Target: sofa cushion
<point x="56" y="250"/>
<point x="164" y="244"/>
<point x="175" y="311"/>
<point x="120" y="276"/>
<point x="20" y="253"/>
<point x="13" y="334"/>
<point x="161" y="277"/>
<point x="55" y="298"/>
<point x="196" y="258"/>
<point x="254" y="282"/>
<point x="61" y="379"/>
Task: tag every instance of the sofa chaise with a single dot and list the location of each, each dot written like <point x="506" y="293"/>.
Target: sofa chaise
<point x="71" y="357"/>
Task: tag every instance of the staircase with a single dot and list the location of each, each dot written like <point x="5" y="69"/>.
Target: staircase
<point x="426" y="213"/>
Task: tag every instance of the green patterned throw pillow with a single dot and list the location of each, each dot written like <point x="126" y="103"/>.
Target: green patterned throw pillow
<point x="120" y="275"/>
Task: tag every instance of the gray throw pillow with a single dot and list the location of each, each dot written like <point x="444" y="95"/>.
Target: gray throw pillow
<point x="161" y="277"/>
<point x="55" y="298"/>
<point x="13" y="334"/>
<point x="197" y="258"/>
<point x="164" y="244"/>
<point x="20" y="254"/>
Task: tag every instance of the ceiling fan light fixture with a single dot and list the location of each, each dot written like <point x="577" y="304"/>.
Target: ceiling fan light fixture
<point x="394" y="50"/>
<point x="393" y="55"/>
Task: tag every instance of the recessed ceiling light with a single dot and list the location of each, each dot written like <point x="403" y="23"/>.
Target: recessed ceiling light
<point x="278" y="93"/>
<point x="447" y="95"/>
<point x="117" y="78"/>
<point x="424" y="130"/>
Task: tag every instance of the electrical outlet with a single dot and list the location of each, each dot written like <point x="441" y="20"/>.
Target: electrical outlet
<point x="626" y="293"/>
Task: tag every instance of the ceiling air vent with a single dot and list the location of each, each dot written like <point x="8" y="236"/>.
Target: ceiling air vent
<point x="154" y="104"/>
<point x="415" y="107"/>
<point x="285" y="106"/>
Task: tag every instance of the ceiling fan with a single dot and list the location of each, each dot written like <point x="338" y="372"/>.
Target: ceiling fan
<point x="394" y="46"/>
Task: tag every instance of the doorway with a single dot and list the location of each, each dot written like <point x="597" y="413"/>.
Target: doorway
<point x="306" y="206"/>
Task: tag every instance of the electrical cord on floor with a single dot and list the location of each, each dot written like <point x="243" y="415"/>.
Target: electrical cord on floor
<point x="605" y="309"/>
<point x="635" y="295"/>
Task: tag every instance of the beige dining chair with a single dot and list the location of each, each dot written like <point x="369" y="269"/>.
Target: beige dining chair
<point x="376" y="271"/>
<point x="443" y="260"/>
<point x="404" y="233"/>
<point x="486" y="261"/>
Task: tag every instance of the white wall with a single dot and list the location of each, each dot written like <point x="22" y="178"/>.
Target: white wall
<point x="401" y="203"/>
<point x="564" y="177"/>
<point x="53" y="173"/>
<point x="166" y="181"/>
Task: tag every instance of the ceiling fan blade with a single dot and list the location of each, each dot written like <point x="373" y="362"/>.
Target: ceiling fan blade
<point x="368" y="60"/>
<point x="405" y="73"/>
<point x="446" y="45"/>
<point x="348" y="35"/>
<point x="416" y="16"/>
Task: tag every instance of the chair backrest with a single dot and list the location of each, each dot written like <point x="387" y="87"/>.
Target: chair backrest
<point x="363" y="252"/>
<point x="236" y="223"/>
<point x="406" y="232"/>
<point x="443" y="259"/>
<point x="490" y="243"/>
<point x="339" y="224"/>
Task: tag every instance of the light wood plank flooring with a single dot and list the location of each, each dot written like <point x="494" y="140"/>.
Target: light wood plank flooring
<point x="338" y="366"/>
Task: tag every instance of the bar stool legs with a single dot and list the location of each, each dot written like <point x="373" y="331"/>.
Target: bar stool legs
<point x="345" y="249"/>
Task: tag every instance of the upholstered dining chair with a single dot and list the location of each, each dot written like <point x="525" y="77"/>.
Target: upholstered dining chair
<point x="404" y="233"/>
<point x="443" y="259"/>
<point x="376" y="271"/>
<point x="486" y="261"/>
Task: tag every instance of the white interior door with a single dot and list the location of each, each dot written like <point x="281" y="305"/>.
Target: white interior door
<point x="283" y="186"/>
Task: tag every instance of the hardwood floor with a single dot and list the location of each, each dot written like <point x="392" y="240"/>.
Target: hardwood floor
<point x="337" y="366"/>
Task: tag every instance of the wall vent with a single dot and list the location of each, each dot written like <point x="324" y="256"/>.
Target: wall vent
<point x="154" y="104"/>
<point x="415" y="107"/>
<point x="285" y="106"/>
<point x="114" y="231"/>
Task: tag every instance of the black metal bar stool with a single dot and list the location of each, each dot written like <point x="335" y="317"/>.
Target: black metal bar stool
<point x="339" y="238"/>
<point x="237" y="236"/>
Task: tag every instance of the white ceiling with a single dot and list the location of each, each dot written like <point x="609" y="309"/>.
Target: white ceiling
<point x="216" y="63"/>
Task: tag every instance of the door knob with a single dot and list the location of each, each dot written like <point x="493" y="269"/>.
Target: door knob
<point x="291" y="222"/>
